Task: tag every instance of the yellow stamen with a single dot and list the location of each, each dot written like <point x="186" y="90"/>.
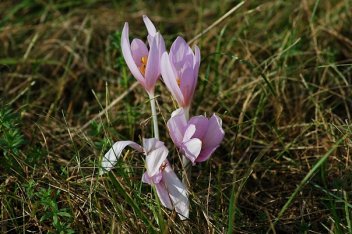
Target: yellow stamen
<point x="143" y="66"/>
<point x="178" y="81"/>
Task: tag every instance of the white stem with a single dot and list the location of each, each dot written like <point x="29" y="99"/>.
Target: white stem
<point x="154" y="115"/>
<point x="186" y="163"/>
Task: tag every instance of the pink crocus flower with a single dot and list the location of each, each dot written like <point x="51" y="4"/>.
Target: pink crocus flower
<point x="171" y="191"/>
<point x="144" y="64"/>
<point x="179" y="70"/>
<point x="196" y="138"/>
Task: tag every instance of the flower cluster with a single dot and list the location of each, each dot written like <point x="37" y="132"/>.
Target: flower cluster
<point x="196" y="138"/>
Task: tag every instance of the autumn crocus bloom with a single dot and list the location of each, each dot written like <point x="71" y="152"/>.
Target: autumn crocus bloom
<point x="179" y="70"/>
<point x="196" y="138"/>
<point x="144" y="64"/>
<point x="171" y="191"/>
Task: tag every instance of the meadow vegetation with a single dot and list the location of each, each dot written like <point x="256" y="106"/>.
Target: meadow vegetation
<point x="277" y="72"/>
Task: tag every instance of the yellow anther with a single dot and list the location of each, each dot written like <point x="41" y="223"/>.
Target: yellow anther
<point x="143" y="65"/>
<point x="144" y="60"/>
<point x="178" y="81"/>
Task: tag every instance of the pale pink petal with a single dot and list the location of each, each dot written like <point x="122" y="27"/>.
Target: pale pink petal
<point x="150" y="26"/>
<point x="139" y="50"/>
<point x="155" y="159"/>
<point x="196" y="60"/>
<point x="152" y="180"/>
<point x="212" y="138"/>
<point x="170" y="79"/>
<point x="201" y="123"/>
<point x="161" y="45"/>
<point x="150" y="144"/>
<point x="111" y="157"/>
<point x="192" y="149"/>
<point x="177" y="125"/>
<point x="127" y="54"/>
<point x="195" y="69"/>
<point x="190" y="130"/>
<point x="152" y="71"/>
<point x="146" y="179"/>
<point x="187" y="82"/>
<point x="177" y="192"/>
<point x="181" y="54"/>
<point x="205" y="154"/>
<point x="163" y="195"/>
<point x="215" y="133"/>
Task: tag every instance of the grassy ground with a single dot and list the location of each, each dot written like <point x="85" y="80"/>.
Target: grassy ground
<point x="279" y="74"/>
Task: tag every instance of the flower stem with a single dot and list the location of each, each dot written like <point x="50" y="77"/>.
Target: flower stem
<point x="154" y="115"/>
<point x="186" y="163"/>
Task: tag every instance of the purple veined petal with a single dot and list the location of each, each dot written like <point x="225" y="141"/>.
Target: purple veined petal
<point x="177" y="125"/>
<point x="201" y="123"/>
<point x="127" y="54"/>
<point x="190" y="130"/>
<point x="111" y="157"/>
<point x="155" y="159"/>
<point x="163" y="195"/>
<point x="215" y="133"/>
<point x="150" y="26"/>
<point x="177" y="192"/>
<point x="139" y="50"/>
<point x="192" y="148"/>
<point x="170" y="79"/>
<point x="150" y="144"/>
<point x="152" y="71"/>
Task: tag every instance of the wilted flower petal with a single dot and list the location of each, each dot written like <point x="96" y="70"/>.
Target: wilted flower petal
<point x="110" y="158"/>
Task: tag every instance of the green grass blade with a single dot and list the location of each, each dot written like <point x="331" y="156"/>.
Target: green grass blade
<point x="132" y="203"/>
<point x="306" y="178"/>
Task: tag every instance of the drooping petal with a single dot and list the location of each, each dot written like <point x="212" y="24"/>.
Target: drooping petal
<point x="127" y="54"/>
<point x="150" y="26"/>
<point x="163" y="195"/>
<point x="139" y="50"/>
<point x="155" y="159"/>
<point x="177" y="125"/>
<point x="170" y="79"/>
<point x="152" y="71"/>
<point x="111" y="157"/>
<point x="177" y="192"/>
<point x="192" y="149"/>
<point x="150" y="144"/>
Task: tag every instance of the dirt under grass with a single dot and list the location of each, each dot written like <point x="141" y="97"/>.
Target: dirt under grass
<point x="278" y="73"/>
